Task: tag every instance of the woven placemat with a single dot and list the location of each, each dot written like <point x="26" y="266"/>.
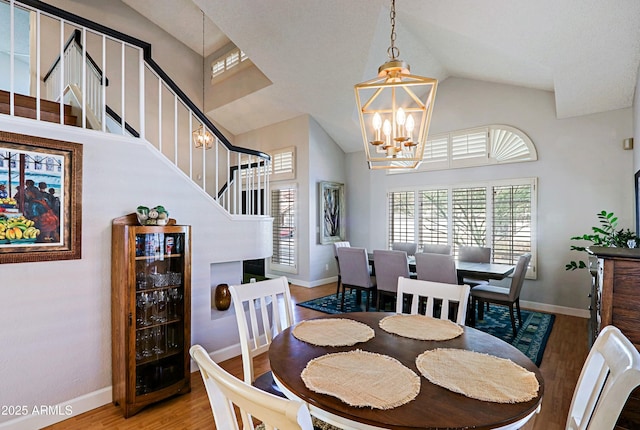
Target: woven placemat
<point x="333" y="332"/>
<point x="479" y="376"/>
<point x="421" y="327"/>
<point x="362" y="379"/>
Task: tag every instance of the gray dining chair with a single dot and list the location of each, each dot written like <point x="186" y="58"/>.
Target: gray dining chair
<point x="436" y="248"/>
<point x="389" y="266"/>
<point x="337" y="245"/>
<point x="474" y="254"/>
<point x="502" y="295"/>
<point x="354" y="269"/>
<point x="435" y="293"/>
<point x="408" y="247"/>
<point x="436" y="268"/>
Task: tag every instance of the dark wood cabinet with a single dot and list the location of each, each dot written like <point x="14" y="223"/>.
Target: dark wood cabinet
<point x="150" y="312"/>
<point x="616" y="301"/>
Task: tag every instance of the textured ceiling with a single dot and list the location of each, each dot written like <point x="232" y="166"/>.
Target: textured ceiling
<point x="586" y="51"/>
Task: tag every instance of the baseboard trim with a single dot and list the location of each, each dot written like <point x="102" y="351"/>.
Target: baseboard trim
<point x="563" y="310"/>
<point x="45" y="415"/>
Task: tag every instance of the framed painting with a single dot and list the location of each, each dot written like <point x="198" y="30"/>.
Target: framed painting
<point x="332" y="212"/>
<point x="40" y="199"/>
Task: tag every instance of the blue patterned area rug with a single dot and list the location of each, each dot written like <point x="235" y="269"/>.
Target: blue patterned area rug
<point x="531" y="339"/>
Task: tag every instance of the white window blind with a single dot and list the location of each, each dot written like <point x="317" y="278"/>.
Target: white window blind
<point x="511" y="222"/>
<point x="434" y="216"/>
<point x="283" y="211"/>
<point x="283" y="164"/>
<point x="227" y="61"/>
<point x="469" y="216"/>
<point x="499" y="214"/>
<point x="401" y="217"/>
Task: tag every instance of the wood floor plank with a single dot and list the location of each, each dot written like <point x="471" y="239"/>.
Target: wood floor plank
<point x="563" y="358"/>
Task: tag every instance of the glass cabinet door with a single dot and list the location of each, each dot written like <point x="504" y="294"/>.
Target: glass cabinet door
<point x="159" y="310"/>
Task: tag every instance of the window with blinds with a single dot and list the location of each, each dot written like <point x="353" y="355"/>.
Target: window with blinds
<point x="511" y="222"/>
<point x="480" y="146"/>
<point x="498" y="214"/>
<point x="433" y="215"/>
<point x="283" y="164"/>
<point x="401" y="217"/>
<point x="283" y="211"/>
<point x="469" y="215"/>
<point x="226" y="62"/>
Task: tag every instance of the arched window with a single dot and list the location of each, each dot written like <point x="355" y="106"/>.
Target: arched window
<point x="481" y="146"/>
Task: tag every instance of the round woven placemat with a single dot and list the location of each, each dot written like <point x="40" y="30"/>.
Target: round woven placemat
<point x="479" y="376"/>
<point x="421" y="327"/>
<point x="333" y="332"/>
<point x="362" y="379"/>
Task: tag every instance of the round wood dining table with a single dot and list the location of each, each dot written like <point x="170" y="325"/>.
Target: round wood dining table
<point x="434" y="407"/>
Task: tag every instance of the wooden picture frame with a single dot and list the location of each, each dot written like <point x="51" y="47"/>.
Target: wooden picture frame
<point x="42" y="178"/>
<point x="332" y="216"/>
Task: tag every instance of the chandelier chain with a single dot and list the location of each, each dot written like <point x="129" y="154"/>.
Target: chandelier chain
<point x="393" y="52"/>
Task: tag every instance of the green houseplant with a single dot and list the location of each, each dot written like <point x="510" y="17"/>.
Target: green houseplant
<point x="604" y="235"/>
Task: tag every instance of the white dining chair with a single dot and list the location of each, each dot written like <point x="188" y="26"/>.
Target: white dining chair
<point x="416" y="289"/>
<point x="263" y="309"/>
<point x="610" y="373"/>
<point x="224" y="390"/>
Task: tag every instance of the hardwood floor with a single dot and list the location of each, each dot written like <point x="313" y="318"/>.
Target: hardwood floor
<point x="563" y="358"/>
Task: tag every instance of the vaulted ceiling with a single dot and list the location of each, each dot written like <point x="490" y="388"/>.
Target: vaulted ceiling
<point x="587" y="52"/>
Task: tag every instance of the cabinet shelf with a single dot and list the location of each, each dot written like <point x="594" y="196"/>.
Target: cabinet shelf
<point x="151" y="312"/>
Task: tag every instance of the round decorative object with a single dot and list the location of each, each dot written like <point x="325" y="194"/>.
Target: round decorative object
<point x="222" y="297"/>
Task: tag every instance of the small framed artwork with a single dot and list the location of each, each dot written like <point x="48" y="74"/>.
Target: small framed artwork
<point x="332" y="212"/>
<point x="40" y="199"/>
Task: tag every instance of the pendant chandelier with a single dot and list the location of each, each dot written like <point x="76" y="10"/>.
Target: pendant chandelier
<point x="395" y="111"/>
<point x="202" y="138"/>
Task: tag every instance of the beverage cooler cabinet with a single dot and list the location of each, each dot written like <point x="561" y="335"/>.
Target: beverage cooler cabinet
<point x="150" y="312"/>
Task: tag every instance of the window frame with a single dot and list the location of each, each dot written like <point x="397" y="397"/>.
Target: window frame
<point x="489" y="185"/>
<point x="279" y="267"/>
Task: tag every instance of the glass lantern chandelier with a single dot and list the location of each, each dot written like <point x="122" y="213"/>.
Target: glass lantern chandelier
<point x="202" y="138"/>
<point x="395" y="111"/>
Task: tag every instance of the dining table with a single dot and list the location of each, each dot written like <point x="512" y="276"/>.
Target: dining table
<point x="434" y="407"/>
<point x="467" y="269"/>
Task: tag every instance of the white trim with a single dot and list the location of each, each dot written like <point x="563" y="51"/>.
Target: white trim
<point x="554" y="309"/>
<point x="61" y="411"/>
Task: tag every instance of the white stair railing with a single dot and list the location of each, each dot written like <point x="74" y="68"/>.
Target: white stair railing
<point x="145" y="102"/>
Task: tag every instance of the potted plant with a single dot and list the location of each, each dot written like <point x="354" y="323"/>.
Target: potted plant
<point x="604" y="235"/>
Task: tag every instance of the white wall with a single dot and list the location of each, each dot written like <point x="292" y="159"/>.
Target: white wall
<point x="55" y="316"/>
<point x="293" y="132"/>
<point x="326" y="163"/>
<point x="582" y="169"/>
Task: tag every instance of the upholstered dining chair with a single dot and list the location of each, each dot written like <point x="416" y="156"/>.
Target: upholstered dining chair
<point x="389" y="266"/>
<point x="354" y="267"/>
<point x="449" y="294"/>
<point x="337" y="245"/>
<point x="224" y="391"/>
<point x="474" y="254"/>
<point x="609" y="374"/>
<point x="408" y="247"/>
<point x="436" y="248"/>
<point x="436" y="268"/>
<point x="502" y="295"/>
<point x="268" y="308"/>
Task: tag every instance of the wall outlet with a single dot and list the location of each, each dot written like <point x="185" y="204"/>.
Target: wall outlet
<point x="326" y="267"/>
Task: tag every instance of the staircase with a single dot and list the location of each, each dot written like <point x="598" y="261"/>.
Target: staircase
<point x="150" y="106"/>
<point x="26" y="107"/>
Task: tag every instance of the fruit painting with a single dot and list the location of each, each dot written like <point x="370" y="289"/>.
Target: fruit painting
<point x="40" y="191"/>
